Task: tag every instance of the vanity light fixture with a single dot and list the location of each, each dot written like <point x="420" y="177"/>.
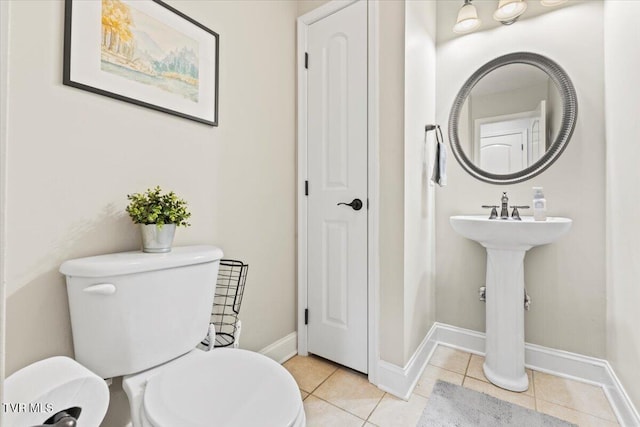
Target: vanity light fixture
<point x="551" y="3"/>
<point x="509" y="10"/>
<point x="467" y="18"/>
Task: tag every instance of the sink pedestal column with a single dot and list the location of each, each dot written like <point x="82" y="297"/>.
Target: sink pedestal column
<point x="504" y="360"/>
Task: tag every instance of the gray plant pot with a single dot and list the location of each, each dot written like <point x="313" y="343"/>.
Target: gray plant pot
<point x="157" y="239"/>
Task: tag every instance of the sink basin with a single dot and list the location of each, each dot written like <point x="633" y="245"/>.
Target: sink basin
<point x="510" y="233"/>
<point x="506" y="242"/>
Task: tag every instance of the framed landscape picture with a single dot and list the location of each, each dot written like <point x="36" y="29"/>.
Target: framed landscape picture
<point x="144" y="52"/>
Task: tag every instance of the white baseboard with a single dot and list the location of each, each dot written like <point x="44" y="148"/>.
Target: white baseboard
<point x="283" y="349"/>
<point x="625" y="411"/>
<point x="401" y="381"/>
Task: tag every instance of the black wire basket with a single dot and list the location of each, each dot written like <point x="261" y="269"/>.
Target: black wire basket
<point x="232" y="276"/>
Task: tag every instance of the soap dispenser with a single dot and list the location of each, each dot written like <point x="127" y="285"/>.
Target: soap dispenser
<point x="539" y="205"/>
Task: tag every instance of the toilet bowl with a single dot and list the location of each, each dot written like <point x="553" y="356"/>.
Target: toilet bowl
<point x="141" y="316"/>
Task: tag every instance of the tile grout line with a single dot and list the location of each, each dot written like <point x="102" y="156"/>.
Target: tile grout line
<point x="565" y="406"/>
<point x="347" y="370"/>
<point x="323" y="381"/>
<point x="337" y="407"/>
<point x="466" y="369"/>
<point x="575" y="410"/>
<point x="376" y="407"/>
<point x="579" y="412"/>
<point x="445" y="369"/>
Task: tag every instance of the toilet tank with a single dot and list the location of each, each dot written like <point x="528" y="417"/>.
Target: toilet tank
<point x="132" y="311"/>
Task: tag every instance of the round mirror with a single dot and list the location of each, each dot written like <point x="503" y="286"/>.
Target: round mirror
<point x="512" y="118"/>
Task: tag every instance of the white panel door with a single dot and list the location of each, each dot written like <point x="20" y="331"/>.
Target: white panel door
<point x="503" y="152"/>
<point x="337" y="173"/>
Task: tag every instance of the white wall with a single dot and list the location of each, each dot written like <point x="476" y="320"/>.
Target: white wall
<point x="74" y="155"/>
<point x="419" y="193"/>
<point x="407" y="104"/>
<point x="391" y="138"/>
<point x="305" y="6"/>
<point x="566" y="280"/>
<point x="622" y="61"/>
<point x="518" y="100"/>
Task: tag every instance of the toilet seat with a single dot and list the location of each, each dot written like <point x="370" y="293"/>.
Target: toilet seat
<point x="223" y="387"/>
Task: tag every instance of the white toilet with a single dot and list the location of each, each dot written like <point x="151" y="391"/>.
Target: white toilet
<point x="57" y="391"/>
<point x="141" y="315"/>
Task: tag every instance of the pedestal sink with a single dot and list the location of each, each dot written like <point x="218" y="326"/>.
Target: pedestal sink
<point x="506" y="242"/>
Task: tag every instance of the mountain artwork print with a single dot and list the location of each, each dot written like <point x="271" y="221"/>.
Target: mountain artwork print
<point x="138" y="47"/>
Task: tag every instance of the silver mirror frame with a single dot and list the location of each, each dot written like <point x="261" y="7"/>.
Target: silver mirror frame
<point x="568" y="123"/>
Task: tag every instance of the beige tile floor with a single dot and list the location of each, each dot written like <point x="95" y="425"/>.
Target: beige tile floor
<point x="335" y="396"/>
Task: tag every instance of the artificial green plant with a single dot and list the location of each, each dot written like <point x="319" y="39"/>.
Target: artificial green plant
<point x="154" y="207"/>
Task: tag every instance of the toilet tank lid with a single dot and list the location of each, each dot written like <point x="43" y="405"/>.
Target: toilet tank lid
<point x="136" y="261"/>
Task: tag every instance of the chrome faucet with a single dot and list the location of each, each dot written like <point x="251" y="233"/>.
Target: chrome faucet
<point x="504" y="212"/>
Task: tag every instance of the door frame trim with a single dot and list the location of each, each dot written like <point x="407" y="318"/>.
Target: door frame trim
<point x="5" y="38"/>
<point x="373" y="173"/>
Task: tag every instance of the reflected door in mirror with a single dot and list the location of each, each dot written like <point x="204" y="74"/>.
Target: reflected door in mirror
<point x="508" y="144"/>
